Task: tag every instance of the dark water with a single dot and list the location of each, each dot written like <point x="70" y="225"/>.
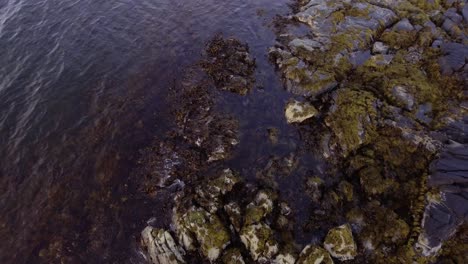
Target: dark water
<point x="81" y="91"/>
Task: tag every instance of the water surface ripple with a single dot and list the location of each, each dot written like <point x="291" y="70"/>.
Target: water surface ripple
<point x="81" y="83"/>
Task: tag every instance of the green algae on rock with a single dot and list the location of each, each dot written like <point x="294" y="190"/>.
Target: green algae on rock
<point x="205" y="228"/>
<point x="259" y="240"/>
<point x="209" y="195"/>
<point x="352" y="119"/>
<point x="340" y="243"/>
<point x="260" y="207"/>
<point x="233" y="256"/>
<point x="314" y="255"/>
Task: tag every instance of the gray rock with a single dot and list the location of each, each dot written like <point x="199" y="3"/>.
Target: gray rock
<point x="465" y="13"/>
<point x="446" y="212"/>
<point x="161" y="247"/>
<point x="455" y="56"/>
<point x="424" y="112"/>
<point x="403" y="25"/>
<point x="379" y="48"/>
<point x="452" y="166"/>
<point x="452" y="28"/>
<point x="304" y="44"/>
<point x="403" y="96"/>
<point x="358" y="58"/>
<point x="453" y="15"/>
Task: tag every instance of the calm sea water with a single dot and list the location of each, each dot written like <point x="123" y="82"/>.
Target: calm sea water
<point x="82" y="84"/>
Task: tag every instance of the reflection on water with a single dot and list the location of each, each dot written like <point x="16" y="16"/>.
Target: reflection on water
<point x="82" y="88"/>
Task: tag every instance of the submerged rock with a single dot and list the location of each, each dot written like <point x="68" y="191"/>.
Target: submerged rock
<point x="340" y="243"/>
<point x="161" y="247"/>
<point x="230" y="65"/>
<point x="297" y="112"/>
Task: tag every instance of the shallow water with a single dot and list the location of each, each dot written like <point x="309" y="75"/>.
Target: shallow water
<point x="81" y="92"/>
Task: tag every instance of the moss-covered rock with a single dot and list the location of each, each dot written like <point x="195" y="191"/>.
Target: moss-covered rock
<point x="207" y="229"/>
<point x="260" y="207"/>
<point x="233" y="256"/>
<point x="297" y="112"/>
<point x="352" y="119"/>
<point x="314" y="255"/>
<point x="209" y="195"/>
<point x="340" y="243"/>
<point x="259" y="240"/>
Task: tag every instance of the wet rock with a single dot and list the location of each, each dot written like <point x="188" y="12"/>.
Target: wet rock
<point x="455" y="57"/>
<point x="340" y="243"/>
<point x="259" y="208"/>
<point x="161" y="247"/>
<point x="284" y="259"/>
<point x="298" y="45"/>
<point x="205" y="228"/>
<point x="379" y="48"/>
<point x="234" y="212"/>
<point x="352" y="119"/>
<point x="209" y="196"/>
<point x="230" y="65"/>
<point x="297" y="112"/>
<point x="314" y="255"/>
<point x="402" y="95"/>
<point x="233" y="256"/>
<point x="259" y="240"/>
<point x="446" y="211"/>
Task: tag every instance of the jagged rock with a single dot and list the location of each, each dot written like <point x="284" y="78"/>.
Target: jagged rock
<point x="340" y="243"/>
<point x="234" y="212"/>
<point x="207" y="229"/>
<point x="209" y="195"/>
<point x="314" y="255"/>
<point x="297" y="112"/>
<point x="445" y="212"/>
<point x="259" y="240"/>
<point x="161" y="247"/>
<point x="259" y="208"/>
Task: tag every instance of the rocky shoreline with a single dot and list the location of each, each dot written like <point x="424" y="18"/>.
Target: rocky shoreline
<point x="381" y="85"/>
